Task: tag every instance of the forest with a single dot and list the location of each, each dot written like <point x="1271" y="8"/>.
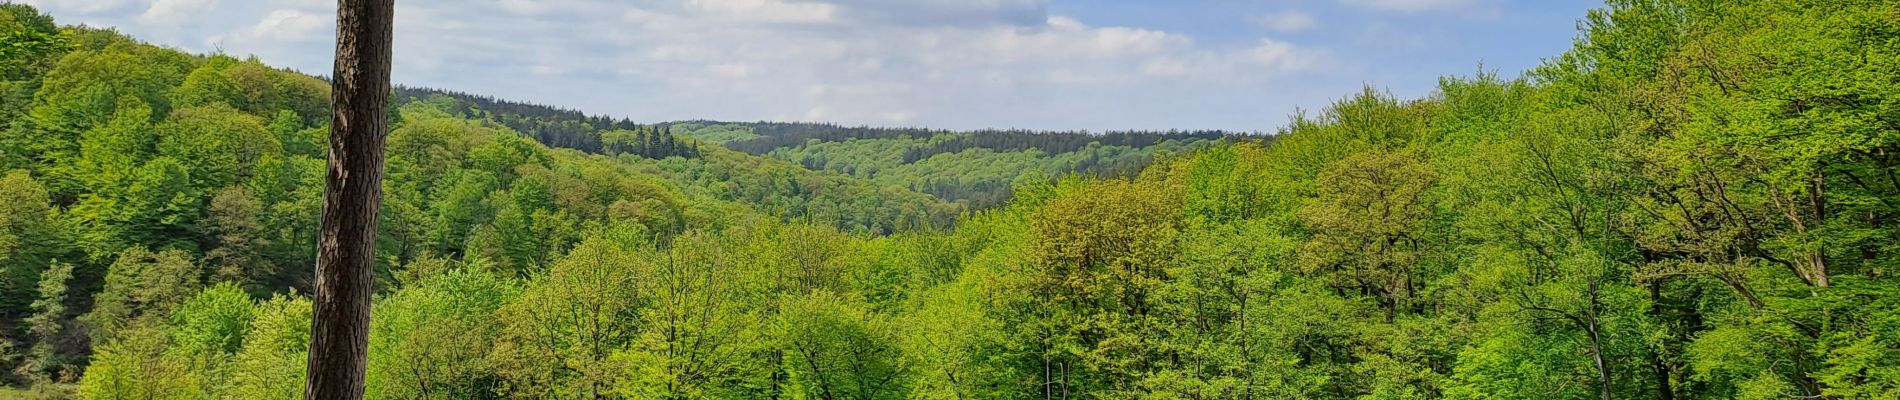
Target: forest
<point x="976" y="168"/>
<point x="1697" y="200"/>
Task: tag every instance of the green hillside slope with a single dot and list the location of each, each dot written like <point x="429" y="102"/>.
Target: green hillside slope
<point x="973" y="167"/>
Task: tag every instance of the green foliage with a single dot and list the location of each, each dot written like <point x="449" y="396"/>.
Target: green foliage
<point x="140" y="286"/>
<point x="646" y="142"/>
<point x="134" y="367"/>
<point x="271" y="363"/>
<point x="28" y="240"/>
<point x="190" y="357"/>
<point x="215" y="321"/>
<point x="49" y="315"/>
<point x="1368" y="223"/>
<point x="701" y="329"/>
<point x="558" y="339"/>
<point x="429" y="338"/>
<point x="1696" y="201"/>
<point x="30" y="38"/>
<point x="977" y="174"/>
<point x="783" y="189"/>
<point x="715" y="133"/>
<point x="838" y="350"/>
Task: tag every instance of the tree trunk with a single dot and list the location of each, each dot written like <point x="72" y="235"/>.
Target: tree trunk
<point x="1594" y="328"/>
<point x="1664" y="390"/>
<point x="352" y="195"/>
<point x="1604" y="387"/>
<point x="1817" y="198"/>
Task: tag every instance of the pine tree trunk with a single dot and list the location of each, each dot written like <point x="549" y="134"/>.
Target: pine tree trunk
<point x="339" y="338"/>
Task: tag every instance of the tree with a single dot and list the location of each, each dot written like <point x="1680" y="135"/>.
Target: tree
<point x="26" y="237"/>
<point x="1100" y="251"/>
<point x="135" y="368"/>
<point x="140" y="285"/>
<point x="31" y="44"/>
<point x="270" y="364"/>
<point x="838" y="350"/>
<point x="205" y="332"/>
<point x="108" y="153"/>
<point x="702" y="333"/>
<point x="49" y="312"/>
<point x="558" y="340"/>
<point x="339" y="340"/>
<point x="237" y="228"/>
<point x="1369" y="227"/>
<point x="219" y="144"/>
<point x="429" y="340"/>
<point x="185" y="355"/>
<point x="79" y="93"/>
<point x="207" y="84"/>
<point x="30" y="40"/>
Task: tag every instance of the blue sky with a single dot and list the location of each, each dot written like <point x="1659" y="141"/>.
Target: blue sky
<point x="960" y="64"/>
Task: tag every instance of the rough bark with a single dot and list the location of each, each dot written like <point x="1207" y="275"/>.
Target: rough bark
<point x="339" y="338"/>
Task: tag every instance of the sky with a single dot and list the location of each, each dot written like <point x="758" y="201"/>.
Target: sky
<point x="1244" y="65"/>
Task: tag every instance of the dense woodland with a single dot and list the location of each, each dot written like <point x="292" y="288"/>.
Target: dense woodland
<point x="555" y="127"/>
<point x="1697" y="201"/>
<point x="980" y="177"/>
<point x="768" y="136"/>
<point x="976" y="168"/>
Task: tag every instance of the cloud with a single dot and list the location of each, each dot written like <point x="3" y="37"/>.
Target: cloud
<point x="850" y="61"/>
<point x="766" y="10"/>
<point x="1279" y="56"/>
<point x="523" y="7"/>
<point x="81" y="6"/>
<point x="1286" y="21"/>
<point x="1410" y="6"/>
<point x="949" y="63"/>
<point x="731" y="70"/>
<point x="1264" y="59"/>
<point x="171" y="12"/>
<point x="291" y="25"/>
<point x="965" y="13"/>
<point x="1062" y="38"/>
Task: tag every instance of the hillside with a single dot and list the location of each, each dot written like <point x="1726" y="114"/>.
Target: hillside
<point x="1698" y="200"/>
<point x="976" y="167"/>
<point x="773" y="187"/>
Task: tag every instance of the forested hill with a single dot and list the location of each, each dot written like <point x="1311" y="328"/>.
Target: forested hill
<point x="784" y="189"/>
<point x="1698" y="200"/>
<point x="554" y="126"/>
<point x="763" y="137"/>
<point x="977" y="167"/>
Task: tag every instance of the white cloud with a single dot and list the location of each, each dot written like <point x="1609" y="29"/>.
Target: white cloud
<point x="1063" y="38"/>
<point x="848" y="61"/>
<point x="1286" y="21"/>
<point x="291" y="25"/>
<point x="937" y="13"/>
<point x="172" y="12"/>
<point x="954" y="63"/>
<point x="766" y="10"/>
<point x="838" y="61"/>
<point x="1264" y="59"/>
<point x="81" y="6"/>
<point x="1411" y="5"/>
<point x="523" y="7"/>
<point x="732" y="70"/>
<point x="1278" y="55"/>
